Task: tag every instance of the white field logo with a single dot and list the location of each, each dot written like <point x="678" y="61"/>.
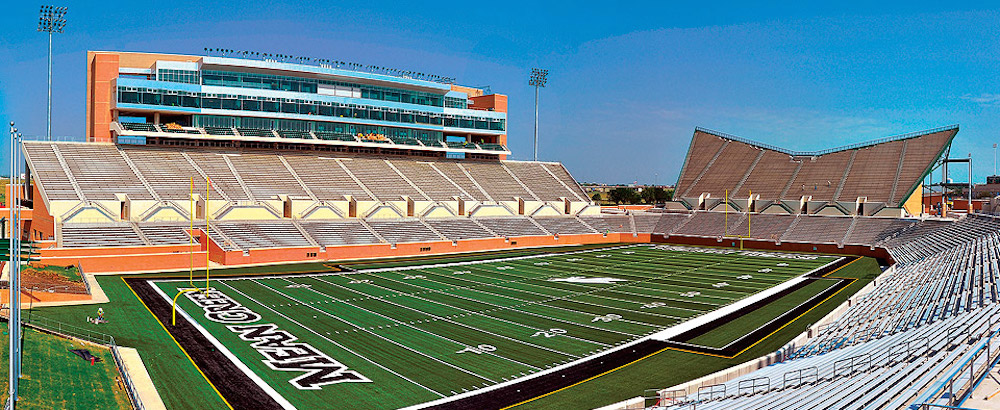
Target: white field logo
<point x="279" y="348"/>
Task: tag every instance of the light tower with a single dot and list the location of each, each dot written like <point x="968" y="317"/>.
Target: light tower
<point x="51" y="19"/>
<point x="538" y="79"/>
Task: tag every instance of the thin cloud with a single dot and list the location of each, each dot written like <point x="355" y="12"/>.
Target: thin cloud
<point x="983" y="98"/>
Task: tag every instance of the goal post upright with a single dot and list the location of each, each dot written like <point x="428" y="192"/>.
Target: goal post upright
<point x="194" y="288"/>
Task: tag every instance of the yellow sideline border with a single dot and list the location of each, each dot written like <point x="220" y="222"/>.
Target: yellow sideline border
<point x="230" y="406"/>
<point x="701" y="353"/>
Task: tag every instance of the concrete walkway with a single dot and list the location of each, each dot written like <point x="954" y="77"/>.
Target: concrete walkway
<point x="140" y="379"/>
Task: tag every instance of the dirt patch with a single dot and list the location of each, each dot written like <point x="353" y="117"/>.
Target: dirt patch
<point x="49" y="279"/>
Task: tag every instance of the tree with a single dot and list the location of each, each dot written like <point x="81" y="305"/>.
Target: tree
<point x="596" y="197"/>
<point x="622" y="195"/>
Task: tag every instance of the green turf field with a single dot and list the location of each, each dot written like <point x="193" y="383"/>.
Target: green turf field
<point x="408" y="336"/>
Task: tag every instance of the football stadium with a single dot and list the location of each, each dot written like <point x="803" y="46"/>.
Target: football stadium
<point x="258" y="231"/>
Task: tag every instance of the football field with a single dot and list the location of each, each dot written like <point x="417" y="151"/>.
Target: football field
<point x="397" y="337"/>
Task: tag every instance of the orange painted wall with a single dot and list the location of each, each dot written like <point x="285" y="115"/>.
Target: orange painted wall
<point x="165" y="258"/>
<point x="162" y="258"/>
<point x="102" y="69"/>
<point x="492" y="102"/>
<point x="42" y="223"/>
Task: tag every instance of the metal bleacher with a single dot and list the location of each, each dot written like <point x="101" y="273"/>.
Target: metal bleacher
<point x="931" y="310"/>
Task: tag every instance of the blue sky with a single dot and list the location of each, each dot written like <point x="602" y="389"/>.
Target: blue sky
<point x="628" y="84"/>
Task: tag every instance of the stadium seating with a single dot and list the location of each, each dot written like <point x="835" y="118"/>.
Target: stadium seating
<point x="512" y="226"/>
<point x="931" y="310"/>
<point x="381" y="179"/>
<point x="711" y="224"/>
<point x="763" y="226"/>
<point x="92" y="235"/>
<point x="669" y="222"/>
<point x="339" y="232"/>
<point x="645" y="222"/>
<point x="49" y="172"/>
<point x="257" y="235"/>
<point x="166" y="234"/>
<point x="872" y="230"/>
<point x="564" y="225"/>
<point x="498" y="183"/>
<point x="140" y="126"/>
<point x="100" y="171"/>
<point x="608" y="223"/>
<point x="818" y="229"/>
<point x="404" y="231"/>
<point x="459" y="228"/>
<point x="882" y="171"/>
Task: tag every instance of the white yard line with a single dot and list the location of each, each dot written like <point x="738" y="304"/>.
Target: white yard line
<point x="225" y="351"/>
<point x="310" y="330"/>
<point x="361" y="328"/>
<point x="588" y="358"/>
<point x="513" y="308"/>
<point x="447" y="319"/>
<point x="686" y="325"/>
<point x="402" y="323"/>
<point x="472" y="312"/>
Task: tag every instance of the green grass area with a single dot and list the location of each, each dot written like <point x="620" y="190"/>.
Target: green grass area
<point x="55" y="378"/>
<point x="672" y="367"/>
<point x="410" y="331"/>
<point x="178" y="381"/>
<point x="733" y="330"/>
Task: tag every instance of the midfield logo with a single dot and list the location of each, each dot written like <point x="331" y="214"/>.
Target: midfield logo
<point x="279" y="348"/>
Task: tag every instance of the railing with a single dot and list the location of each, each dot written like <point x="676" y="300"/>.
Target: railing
<point x="68" y="330"/>
<point x="133" y="392"/>
<point x="79" y="333"/>
<point x="829" y="150"/>
<point x="83" y="277"/>
<point x="976" y="366"/>
<point x="59" y="138"/>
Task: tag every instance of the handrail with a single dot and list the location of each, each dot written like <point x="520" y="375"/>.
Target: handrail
<point x="789" y="152"/>
<point x="926" y="400"/>
<point x="133" y="392"/>
<point x="75" y="332"/>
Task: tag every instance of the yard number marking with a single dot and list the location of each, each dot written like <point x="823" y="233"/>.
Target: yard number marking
<point x="550" y="333"/>
<point x="610" y="317"/>
<point x="478" y="349"/>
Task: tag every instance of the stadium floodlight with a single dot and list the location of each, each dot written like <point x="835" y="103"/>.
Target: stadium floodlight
<point x="537" y="79"/>
<point x="51" y="19"/>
